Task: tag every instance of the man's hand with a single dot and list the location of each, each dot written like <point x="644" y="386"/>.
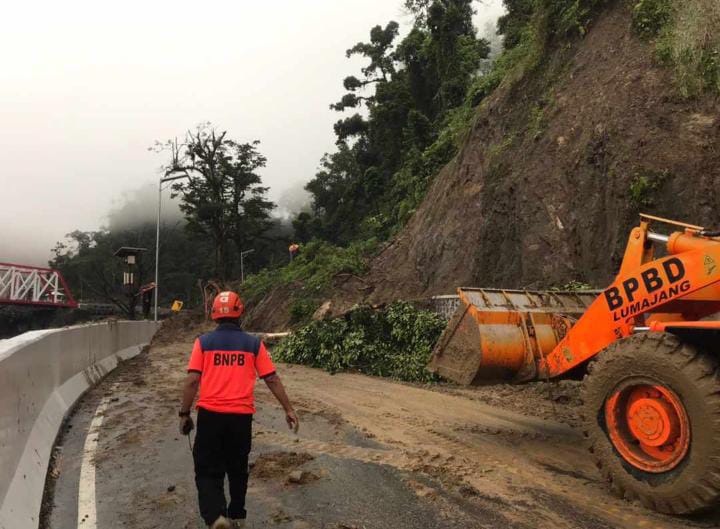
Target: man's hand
<point x="186" y="425"/>
<point x="276" y="387"/>
<point x="190" y="387"/>
<point x="292" y="420"/>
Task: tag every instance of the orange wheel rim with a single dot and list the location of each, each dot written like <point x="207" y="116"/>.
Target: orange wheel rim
<point x="648" y="426"/>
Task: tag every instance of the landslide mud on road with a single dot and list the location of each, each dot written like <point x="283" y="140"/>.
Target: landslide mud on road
<point x="371" y="453"/>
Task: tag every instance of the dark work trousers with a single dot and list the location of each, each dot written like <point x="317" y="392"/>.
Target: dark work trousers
<point x="222" y="446"/>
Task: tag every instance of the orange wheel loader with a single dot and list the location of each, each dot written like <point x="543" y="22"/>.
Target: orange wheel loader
<point x="650" y="350"/>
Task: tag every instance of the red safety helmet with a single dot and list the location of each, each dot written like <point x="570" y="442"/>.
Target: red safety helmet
<point x="227" y="305"/>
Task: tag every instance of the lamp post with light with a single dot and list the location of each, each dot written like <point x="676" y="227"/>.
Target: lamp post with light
<point x="163" y="180"/>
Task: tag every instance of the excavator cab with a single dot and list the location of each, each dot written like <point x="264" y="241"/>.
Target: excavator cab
<point x="649" y="345"/>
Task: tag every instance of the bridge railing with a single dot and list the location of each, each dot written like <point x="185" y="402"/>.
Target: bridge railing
<point x="32" y="285"/>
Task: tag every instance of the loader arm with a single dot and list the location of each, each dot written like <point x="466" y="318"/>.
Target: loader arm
<point x="686" y="281"/>
<point x="650" y="407"/>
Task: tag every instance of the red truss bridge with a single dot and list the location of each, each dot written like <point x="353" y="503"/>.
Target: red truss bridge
<point x="31" y="285"/>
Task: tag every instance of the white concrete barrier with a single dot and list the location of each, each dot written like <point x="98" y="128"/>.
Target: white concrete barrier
<point x="42" y="374"/>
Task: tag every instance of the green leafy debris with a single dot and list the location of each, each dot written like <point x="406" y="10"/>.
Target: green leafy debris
<point x="396" y="342"/>
<point x="573" y="286"/>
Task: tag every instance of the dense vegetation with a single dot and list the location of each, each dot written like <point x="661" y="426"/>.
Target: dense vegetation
<point x="404" y="116"/>
<point x="686" y="38"/>
<point x="310" y="274"/>
<point x="684" y="33"/>
<point x="408" y="110"/>
<point x="86" y="258"/>
<point x="356" y="196"/>
<point x="87" y="261"/>
<point x="422" y="93"/>
<point x="412" y="91"/>
<point x="396" y="342"/>
<point x="222" y="194"/>
<point x="419" y="97"/>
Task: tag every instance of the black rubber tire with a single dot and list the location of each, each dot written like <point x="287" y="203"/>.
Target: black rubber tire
<point x="693" y="375"/>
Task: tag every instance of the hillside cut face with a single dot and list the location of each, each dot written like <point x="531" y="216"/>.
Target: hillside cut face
<point x="554" y="173"/>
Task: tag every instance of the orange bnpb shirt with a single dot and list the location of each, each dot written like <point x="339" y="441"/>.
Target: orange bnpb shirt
<point x="229" y="361"/>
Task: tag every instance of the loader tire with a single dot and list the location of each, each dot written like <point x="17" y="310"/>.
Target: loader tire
<point x="682" y="481"/>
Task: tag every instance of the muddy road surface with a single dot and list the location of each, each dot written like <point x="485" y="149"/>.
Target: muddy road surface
<point x="370" y="454"/>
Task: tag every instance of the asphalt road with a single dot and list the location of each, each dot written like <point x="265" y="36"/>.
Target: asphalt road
<point x="374" y="454"/>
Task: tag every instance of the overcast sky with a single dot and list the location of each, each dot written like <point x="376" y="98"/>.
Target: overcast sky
<point x="86" y="88"/>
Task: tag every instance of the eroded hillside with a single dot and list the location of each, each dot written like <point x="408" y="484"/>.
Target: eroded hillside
<point x="554" y="172"/>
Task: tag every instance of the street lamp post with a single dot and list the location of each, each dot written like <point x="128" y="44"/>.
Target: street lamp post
<point x="242" y="264"/>
<point x="157" y="234"/>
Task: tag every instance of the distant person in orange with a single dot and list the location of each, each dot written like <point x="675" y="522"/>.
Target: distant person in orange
<point x="224" y="365"/>
<point x="294" y="250"/>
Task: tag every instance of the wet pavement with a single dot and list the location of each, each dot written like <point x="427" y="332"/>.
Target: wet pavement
<point x="371" y="454"/>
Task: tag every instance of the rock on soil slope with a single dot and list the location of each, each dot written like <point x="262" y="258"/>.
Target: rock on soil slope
<point x="540" y="194"/>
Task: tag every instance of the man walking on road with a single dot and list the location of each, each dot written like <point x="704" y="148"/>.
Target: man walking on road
<point x="224" y="365"/>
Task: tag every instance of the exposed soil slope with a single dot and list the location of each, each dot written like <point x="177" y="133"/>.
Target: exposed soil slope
<point x="541" y="192"/>
<point x="272" y="314"/>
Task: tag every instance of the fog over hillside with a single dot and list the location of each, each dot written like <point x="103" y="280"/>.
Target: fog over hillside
<point x="81" y="102"/>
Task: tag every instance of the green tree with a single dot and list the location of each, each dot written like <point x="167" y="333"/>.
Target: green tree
<point x="334" y="195"/>
<point x="514" y="22"/>
<point x="409" y="90"/>
<point x="87" y="261"/>
<point x="222" y="196"/>
<point x="250" y="210"/>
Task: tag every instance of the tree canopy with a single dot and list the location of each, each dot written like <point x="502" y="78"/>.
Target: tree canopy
<point x="221" y="190"/>
<point x="402" y="98"/>
<point x="223" y="211"/>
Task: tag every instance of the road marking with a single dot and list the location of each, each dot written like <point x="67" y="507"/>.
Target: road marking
<point x="87" y="509"/>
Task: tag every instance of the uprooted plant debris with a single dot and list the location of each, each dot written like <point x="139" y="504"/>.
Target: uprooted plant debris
<point x="394" y="342"/>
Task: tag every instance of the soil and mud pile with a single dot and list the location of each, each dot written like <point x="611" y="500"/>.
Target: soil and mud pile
<point x="182" y="326"/>
<point x="554" y="173"/>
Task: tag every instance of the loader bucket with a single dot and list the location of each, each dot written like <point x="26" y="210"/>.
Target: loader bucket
<point x="501" y="335"/>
